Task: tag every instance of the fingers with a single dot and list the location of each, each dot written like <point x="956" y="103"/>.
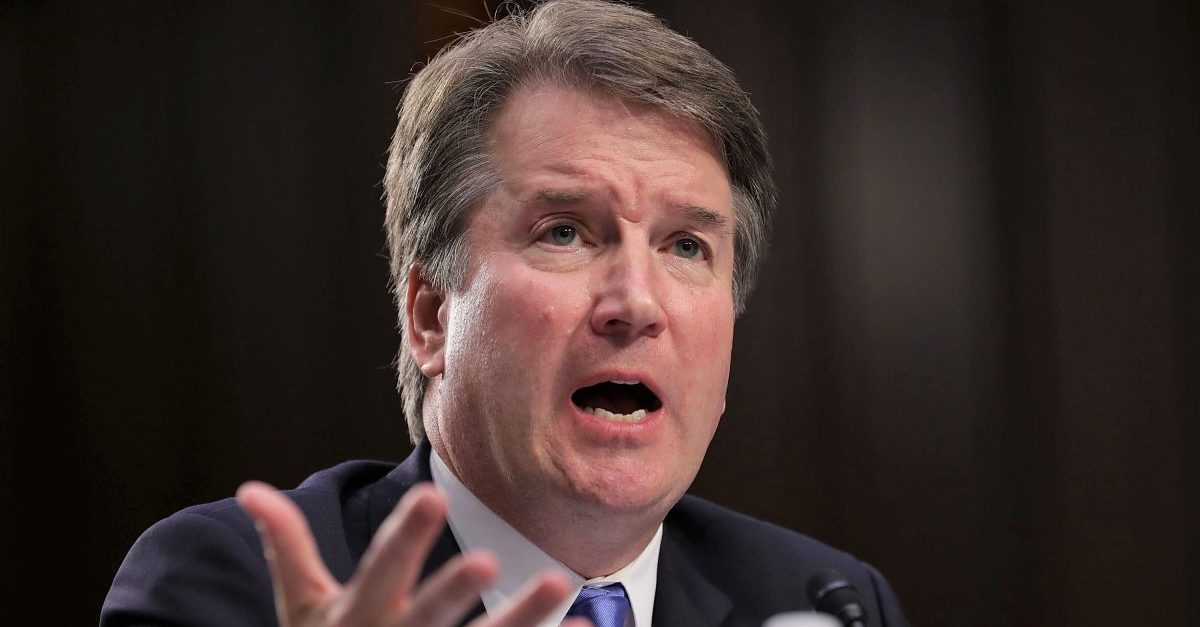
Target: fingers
<point x="382" y="588"/>
<point x="298" y="574"/>
<point x="390" y="567"/>
<point x="450" y="593"/>
<point x="541" y="596"/>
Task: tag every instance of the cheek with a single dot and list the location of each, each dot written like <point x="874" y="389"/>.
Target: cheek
<point x="704" y="316"/>
<point x="533" y="312"/>
<point x="522" y="320"/>
<point x="705" y="350"/>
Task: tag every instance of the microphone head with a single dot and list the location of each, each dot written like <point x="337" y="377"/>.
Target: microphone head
<point x="802" y="619"/>
<point x="831" y="593"/>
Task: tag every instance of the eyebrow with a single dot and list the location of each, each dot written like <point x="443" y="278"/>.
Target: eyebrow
<point x="702" y="216"/>
<point x="560" y="195"/>
<point x="706" y="217"/>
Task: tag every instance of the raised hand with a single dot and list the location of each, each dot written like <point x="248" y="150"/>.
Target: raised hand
<point x="385" y="590"/>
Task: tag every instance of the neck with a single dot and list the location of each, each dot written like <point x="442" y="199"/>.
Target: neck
<point x="591" y="540"/>
<point x="591" y="544"/>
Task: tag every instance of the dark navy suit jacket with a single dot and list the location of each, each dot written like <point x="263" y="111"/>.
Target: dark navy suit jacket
<point x="204" y="565"/>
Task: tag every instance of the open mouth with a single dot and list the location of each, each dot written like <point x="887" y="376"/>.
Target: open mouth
<point x="621" y="401"/>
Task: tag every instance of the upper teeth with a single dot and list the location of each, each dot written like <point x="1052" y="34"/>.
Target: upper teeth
<point x="633" y="382"/>
<point x="600" y="412"/>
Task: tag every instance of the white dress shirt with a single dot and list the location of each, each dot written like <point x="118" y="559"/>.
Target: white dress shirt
<point x="476" y="527"/>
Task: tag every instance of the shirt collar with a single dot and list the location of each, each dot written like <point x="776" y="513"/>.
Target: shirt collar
<point x="477" y="527"/>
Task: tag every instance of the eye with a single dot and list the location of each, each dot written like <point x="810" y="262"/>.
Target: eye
<point x="561" y="235"/>
<point x="688" y="248"/>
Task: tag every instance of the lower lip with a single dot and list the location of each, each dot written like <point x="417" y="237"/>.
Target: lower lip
<point x="598" y="428"/>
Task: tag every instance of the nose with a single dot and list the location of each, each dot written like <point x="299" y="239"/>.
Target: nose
<point x="629" y="303"/>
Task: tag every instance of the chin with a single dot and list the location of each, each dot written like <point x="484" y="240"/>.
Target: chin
<point x="625" y="486"/>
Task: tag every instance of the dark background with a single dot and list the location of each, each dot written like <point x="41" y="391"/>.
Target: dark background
<point x="972" y="358"/>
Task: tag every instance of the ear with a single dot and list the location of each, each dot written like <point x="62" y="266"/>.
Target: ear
<point x="425" y="309"/>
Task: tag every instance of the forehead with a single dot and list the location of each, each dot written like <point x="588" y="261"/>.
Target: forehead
<point x="541" y="105"/>
<point x="584" y="131"/>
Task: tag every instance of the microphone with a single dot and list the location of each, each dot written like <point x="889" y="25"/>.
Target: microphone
<point x="801" y="619"/>
<point x="832" y="594"/>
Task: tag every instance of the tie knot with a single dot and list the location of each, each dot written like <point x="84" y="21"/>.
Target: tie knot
<point x="605" y="606"/>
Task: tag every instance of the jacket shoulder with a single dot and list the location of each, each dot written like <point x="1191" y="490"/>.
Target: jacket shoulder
<point x="764" y="568"/>
<point x="204" y="565"/>
<point x="725" y="538"/>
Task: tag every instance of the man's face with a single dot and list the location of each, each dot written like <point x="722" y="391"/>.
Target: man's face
<point x="586" y="357"/>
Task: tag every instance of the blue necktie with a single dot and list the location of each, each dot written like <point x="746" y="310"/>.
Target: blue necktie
<point x="606" y="606"/>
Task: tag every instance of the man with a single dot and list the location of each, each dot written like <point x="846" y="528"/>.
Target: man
<point x="577" y="204"/>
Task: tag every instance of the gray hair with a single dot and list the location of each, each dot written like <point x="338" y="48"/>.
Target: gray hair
<point x="439" y="165"/>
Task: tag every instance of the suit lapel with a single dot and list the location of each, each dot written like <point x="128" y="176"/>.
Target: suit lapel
<point x="386" y="494"/>
<point x="684" y="597"/>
